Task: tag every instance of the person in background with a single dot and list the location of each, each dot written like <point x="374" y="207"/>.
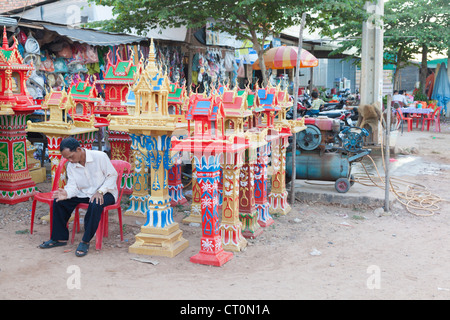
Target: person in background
<point x="315" y="105"/>
<point x="91" y="179"/>
<point x="400" y="98"/>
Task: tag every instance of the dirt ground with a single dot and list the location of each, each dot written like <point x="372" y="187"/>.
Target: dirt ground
<point x="317" y="251"/>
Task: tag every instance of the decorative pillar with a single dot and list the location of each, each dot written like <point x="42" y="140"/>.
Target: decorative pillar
<point x="231" y="226"/>
<point x="140" y="195"/>
<point x="196" y="210"/>
<point x="261" y="203"/>
<point x="220" y="187"/>
<point x="278" y="203"/>
<point x="211" y="250"/>
<point x="86" y="139"/>
<point x="160" y="235"/>
<point x="54" y="155"/>
<point x="247" y="209"/>
<point x="175" y="184"/>
<point x="16" y="184"/>
<point x="120" y="143"/>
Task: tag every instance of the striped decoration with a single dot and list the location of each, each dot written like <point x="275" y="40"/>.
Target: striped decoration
<point x="285" y="57"/>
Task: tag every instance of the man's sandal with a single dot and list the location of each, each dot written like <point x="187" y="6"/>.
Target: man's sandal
<point x="82" y="249"/>
<point x="51" y="244"/>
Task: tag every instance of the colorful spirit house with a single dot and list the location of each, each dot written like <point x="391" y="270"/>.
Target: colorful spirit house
<point x="235" y="221"/>
<point x="208" y="145"/>
<point x="176" y="100"/>
<point x="278" y="203"/>
<point x="85" y="96"/>
<point x="57" y="126"/>
<point x="267" y="104"/>
<point x="151" y="128"/>
<point x="116" y="82"/>
<point x="253" y="198"/>
<point x="16" y="104"/>
<point x="86" y="99"/>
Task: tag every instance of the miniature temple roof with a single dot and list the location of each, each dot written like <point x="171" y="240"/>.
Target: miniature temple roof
<point x="14" y="96"/>
<point x="203" y="107"/>
<point x="252" y="101"/>
<point x="11" y="55"/>
<point x="176" y="93"/>
<point x="235" y="105"/>
<point x="267" y="100"/>
<point x="84" y="91"/>
<point x="58" y="98"/>
<point x="120" y="73"/>
<point x="283" y="98"/>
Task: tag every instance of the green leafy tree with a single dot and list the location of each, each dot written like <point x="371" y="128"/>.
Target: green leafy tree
<point x="410" y="27"/>
<point x="253" y="20"/>
<point x="424" y="26"/>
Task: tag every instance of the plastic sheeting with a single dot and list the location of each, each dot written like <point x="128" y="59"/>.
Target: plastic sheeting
<point x="441" y="90"/>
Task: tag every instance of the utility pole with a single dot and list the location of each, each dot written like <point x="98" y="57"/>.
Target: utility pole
<point x="372" y="58"/>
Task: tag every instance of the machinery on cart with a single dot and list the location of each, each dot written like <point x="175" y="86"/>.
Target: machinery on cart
<point x="326" y="150"/>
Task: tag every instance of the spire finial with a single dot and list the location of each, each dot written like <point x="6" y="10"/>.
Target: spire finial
<point x="5" y="38"/>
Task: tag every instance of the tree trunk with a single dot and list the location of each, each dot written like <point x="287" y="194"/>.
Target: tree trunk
<point x="398" y="66"/>
<point x="262" y="66"/>
<point x="260" y="50"/>
<point x="423" y="68"/>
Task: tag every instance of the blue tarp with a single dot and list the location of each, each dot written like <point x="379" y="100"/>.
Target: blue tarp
<point x="441" y="90"/>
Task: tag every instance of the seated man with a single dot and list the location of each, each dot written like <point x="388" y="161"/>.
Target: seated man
<point x="315" y="105"/>
<point x="399" y="98"/>
<point x="91" y="179"/>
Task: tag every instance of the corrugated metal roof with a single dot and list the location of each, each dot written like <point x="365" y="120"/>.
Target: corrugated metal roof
<point x="94" y="37"/>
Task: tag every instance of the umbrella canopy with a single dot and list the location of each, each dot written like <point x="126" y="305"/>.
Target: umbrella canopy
<point x="441" y="90"/>
<point x="285" y="57"/>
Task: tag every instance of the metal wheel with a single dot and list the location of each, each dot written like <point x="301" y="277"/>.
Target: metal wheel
<point x="342" y="185"/>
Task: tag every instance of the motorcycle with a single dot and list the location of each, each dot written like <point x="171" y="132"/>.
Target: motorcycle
<point x="344" y="115"/>
<point x="303" y="102"/>
<point x="341" y="105"/>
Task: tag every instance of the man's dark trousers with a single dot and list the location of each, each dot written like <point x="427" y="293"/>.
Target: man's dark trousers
<point x="62" y="210"/>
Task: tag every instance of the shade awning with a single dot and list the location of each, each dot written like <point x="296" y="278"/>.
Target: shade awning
<point x="94" y="37"/>
<point x="285" y="57"/>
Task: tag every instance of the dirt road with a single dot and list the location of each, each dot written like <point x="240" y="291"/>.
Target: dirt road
<point x="317" y="251"/>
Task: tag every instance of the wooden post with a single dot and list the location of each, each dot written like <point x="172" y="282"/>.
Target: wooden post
<point x="294" y="142"/>
<point x="387" y="153"/>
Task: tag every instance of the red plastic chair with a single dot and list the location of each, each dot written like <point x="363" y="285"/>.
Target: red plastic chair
<point x="403" y="118"/>
<point x="435" y="116"/>
<point x="47" y="197"/>
<point x="123" y="168"/>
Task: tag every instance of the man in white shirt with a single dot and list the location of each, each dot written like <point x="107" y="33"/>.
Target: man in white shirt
<point x="91" y="179"/>
<point x="400" y="97"/>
